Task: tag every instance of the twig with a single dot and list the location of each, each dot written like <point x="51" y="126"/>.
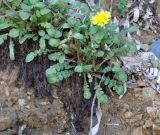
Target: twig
<point x="101" y="79"/>
<point x="99" y="3"/>
<point x="92" y="108"/>
<point x="125" y="90"/>
<point x="89" y="5"/>
<point x="111" y="6"/>
<point x="75" y="131"/>
<point x="112" y="124"/>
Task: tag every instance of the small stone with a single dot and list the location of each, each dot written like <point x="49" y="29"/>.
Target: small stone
<point x="148" y="93"/>
<point x="152" y="111"/>
<point x="137" y="131"/>
<point x="155" y="48"/>
<point x="137" y="89"/>
<point x="125" y="108"/>
<point x="141" y="84"/>
<point x="145" y="47"/>
<point x="21" y="102"/>
<point x="148" y="124"/>
<point x="128" y="115"/>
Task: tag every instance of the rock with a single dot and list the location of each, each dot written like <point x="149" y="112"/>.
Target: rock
<point x="152" y="111"/>
<point x="158" y="7"/>
<point x="137" y="131"/>
<point x="44" y="116"/>
<point x="46" y="132"/>
<point x="125" y="107"/>
<point x="9" y="132"/>
<point x="21" y="102"/>
<point x="148" y="124"/>
<point x="136" y="118"/>
<point x="145" y="47"/>
<point x="128" y="115"/>
<point x="148" y="93"/>
<point x="141" y="83"/>
<point x="8" y="118"/>
<point x="147" y="37"/>
<point x="156" y="127"/>
<point x="155" y="48"/>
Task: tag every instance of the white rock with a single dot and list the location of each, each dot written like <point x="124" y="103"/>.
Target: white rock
<point x="155" y="72"/>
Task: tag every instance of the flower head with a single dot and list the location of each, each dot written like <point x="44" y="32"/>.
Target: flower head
<point x="101" y="18"/>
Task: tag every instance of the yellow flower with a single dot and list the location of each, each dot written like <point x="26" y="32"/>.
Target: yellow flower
<point x="101" y="18"/>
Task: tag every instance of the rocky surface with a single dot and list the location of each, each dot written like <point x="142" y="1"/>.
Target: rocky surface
<point x="21" y="112"/>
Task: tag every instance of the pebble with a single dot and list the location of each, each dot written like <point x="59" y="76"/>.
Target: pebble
<point x="128" y="115"/>
<point x="145" y="47"/>
<point x="155" y="48"/>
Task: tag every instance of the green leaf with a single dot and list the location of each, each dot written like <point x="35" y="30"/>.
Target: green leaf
<point x="24" y="15"/>
<point x="33" y="1"/>
<point x="61" y="59"/>
<point x="111" y="27"/>
<point x="1" y="40"/>
<point x="93" y="29"/>
<point x="117" y="68"/>
<point x="54" y="42"/>
<point x="5" y="25"/>
<point x="58" y="34"/>
<point x="44" y="11"/>
<point x="87" y="68"/>
<point x="87" y="94"/>
<point x="54" y="2"/>
<point x="132" y="48"/>
<point x="122" y="76"/>
<point x="78" y="36"/>
<point x="46" y="25"/>
<point x="42" y="43"/>
<point x="72" y="21"/>
<point x="13" y="33"/>
<point x="103" y="99"/>
<point x="11" y="51"/>
<point x="30" y="57"/>
<point x="41" y="33"/>
<point x="132" y="29"/>
<point x="60" y="77"/>
<point x="65" y="26"/>
<point x="51" y="32"/>
<point x="50" y="72"/>
<point x="26" y="36"/>
<point x="84" y="8"/>
<point x="98" y="36"/>
<point x="52" y="79"/>
<point x="78" y="69"/>
<point x="100" y="53"/>
<point x="120" y="90"/>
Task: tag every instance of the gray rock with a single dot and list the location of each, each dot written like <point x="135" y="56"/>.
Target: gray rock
<point x="155" y="48"/>
<point x="8" y="118"/>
